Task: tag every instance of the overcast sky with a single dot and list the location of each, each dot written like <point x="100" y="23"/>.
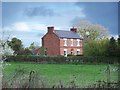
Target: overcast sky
<point x="28" y="21"/>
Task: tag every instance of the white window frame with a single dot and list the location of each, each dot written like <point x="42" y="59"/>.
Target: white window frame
<point x="71" y="42"/>
<point x="65" y="50"/>
<point x="72" y="52"/>
<point x="78" y="50"/>
<point x="78" y="42"/>
<point x="65" y="41"/>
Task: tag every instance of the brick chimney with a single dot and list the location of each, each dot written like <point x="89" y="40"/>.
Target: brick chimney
<point x="50" y="29"/>
<point x="73" y="29"/>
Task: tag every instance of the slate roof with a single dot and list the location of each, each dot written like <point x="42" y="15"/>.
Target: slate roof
<point x="67" y="34"/>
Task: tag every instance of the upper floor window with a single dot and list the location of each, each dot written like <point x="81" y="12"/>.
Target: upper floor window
<point x="71" y="42"/>
<point x="65" y="41"/>
<point x="78" y="42"/>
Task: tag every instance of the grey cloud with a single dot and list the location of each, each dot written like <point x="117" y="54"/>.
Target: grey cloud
<point x="104" y="13"/>
<point x="76" y="20"/>
<point x="39" y="11"/>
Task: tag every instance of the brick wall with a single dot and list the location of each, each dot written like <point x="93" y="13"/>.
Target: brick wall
<point x="52" y="43"/>
<point x="69" y="47"/>
<point x="55" y="45"/>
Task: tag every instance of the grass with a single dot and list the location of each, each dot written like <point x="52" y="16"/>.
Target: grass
<point x="51" y="74"/>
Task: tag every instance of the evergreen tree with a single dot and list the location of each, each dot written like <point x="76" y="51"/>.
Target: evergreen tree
<point x="16" y="45"/>
<point x="112" y="47"/>
<point x="118" y="40"/>
<point x="32" y="46"/>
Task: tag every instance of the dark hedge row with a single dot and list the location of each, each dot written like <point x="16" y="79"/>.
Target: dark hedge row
<point x="37" y="59"/>
<point x="95" y="59"/>
<point x="61" y="59"/>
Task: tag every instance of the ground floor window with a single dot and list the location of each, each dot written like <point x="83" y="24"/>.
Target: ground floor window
<point x="72" y="52"/>
<point x="65" y="52"/>
<point x="45" y="52"/>
<point x="78" y="51"/>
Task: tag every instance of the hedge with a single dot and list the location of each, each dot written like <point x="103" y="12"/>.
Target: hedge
<point x="94" y="59"/>
<point x="61" y="59"/>
<point x="37" y="59"/>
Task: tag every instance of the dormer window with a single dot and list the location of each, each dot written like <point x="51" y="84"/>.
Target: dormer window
<point x="71" y="42"/>
<point x="65" y="41"/>
<point x="78" y="42"/>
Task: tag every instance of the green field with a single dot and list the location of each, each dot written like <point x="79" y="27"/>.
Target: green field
<point x="51" y="74"/>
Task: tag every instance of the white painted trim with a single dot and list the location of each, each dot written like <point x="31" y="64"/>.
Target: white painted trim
<point x="66" y="52"/>
<point x="79" y="51"/>
<point x="71" y="40"/>
<point x="65" y="39"/>
<point x="78" y="42"/>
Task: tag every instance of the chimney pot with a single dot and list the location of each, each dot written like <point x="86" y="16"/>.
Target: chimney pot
<point x="73" y="29"/>
<point x="50" y="29"/>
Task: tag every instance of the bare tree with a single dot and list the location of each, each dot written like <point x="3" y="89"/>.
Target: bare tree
<point x="4" y="47"/>
<point x="91" y="31"/>
<point x="4" y="50"/>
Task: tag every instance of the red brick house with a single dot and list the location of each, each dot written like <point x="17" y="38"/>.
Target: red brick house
<point x="59" y="42"/>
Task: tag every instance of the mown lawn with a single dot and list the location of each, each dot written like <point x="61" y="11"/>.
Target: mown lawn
<point x="51" y="74"/>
